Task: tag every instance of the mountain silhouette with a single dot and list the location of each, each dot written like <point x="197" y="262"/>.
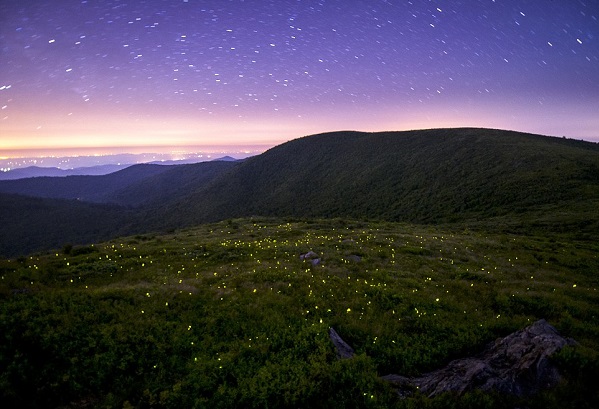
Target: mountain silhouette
<point x="133" y="186"/>
<point x="465" y="176"/>
<point x="430" y="176"/>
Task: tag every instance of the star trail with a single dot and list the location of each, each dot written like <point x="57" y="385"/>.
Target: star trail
<point x="240" y="73"/>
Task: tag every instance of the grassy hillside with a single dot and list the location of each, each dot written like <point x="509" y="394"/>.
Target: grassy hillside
<point x="445" y="175"/>
<point x="226" y="315"/>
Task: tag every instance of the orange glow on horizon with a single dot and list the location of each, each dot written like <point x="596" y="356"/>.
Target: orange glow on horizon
<point x="128" y="133"/>
<point x="245" y="150"/>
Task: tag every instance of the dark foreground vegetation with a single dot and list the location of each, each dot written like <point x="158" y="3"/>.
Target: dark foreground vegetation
<point x="227" y="315"/>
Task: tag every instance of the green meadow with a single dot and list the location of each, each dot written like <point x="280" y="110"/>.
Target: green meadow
<point x="227" y="315"/>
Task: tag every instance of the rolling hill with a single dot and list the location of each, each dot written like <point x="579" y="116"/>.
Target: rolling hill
<point x="86" y="188"/>
<point x="474" y="177"/>
<point x="47" y="213"/>
<point x="431" y="176"/>
<point x="133" y="186"/>
<point x="175" y="183"/>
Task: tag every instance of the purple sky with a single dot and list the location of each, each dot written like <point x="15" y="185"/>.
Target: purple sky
<point x="242" y="73"/>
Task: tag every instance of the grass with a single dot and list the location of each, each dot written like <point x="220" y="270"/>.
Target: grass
<point x="227" y="315"/>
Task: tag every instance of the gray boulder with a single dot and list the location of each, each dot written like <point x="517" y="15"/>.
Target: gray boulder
<point x="344" y="351"/>
<point x="354" y="258"/>
<point x="308" y="256"/>
<point x="517" y="364"/>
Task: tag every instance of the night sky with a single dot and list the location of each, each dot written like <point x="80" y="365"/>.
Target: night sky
<point x="175" y="72"/>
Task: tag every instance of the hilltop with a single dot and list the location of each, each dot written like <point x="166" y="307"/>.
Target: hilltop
<point x="430" y="176"/>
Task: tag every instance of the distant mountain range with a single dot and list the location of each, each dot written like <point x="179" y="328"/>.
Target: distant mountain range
<point x="465" y="176"/>
<point x="38" y="171"/>
<point x="193" y="160"/>
<point x="133" y="186"/>
<point x="85" y="188"/>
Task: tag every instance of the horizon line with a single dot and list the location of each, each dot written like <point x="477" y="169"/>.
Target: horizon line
<point x="74" y="151"/>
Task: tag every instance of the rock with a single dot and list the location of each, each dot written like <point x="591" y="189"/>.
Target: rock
<point x="403" y="385"/>
<point x="315" y="261"/>
<point x="344" y="351"/>
<point x="308" y="256"/>
<point x="354" y="258"/>
<point x="517" y="364"/>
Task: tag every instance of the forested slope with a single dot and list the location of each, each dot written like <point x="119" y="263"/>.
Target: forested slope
<point x="445" y="175"/>
<point x="32" y="224"/>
